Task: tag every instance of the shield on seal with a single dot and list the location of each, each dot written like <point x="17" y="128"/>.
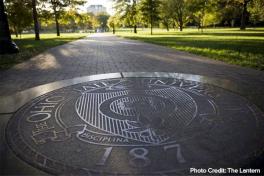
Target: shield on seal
<point x="137" y="114"/>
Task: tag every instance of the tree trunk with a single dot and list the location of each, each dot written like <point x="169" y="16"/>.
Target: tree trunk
<point x="35" y="18"/>
<point x="201" y="24"/>
<point x="135" y="28"/>
<point x="151" y="29"/>
<point x="180" y="20"/>
<point x="113" y="29"/>
<point x="57" y="24"/>
<point x="6" y="44"/>
<point x="151" y="24"/>
<point x="167" y="26"/>
<point x="4" y="29"/>
<point x="134" y="13"/>
<point x="16" y="33"/>
<point x="244" y="15"/>
<point x="181" y="24"/>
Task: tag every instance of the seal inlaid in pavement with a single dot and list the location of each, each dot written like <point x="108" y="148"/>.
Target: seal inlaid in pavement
<point x="143" y="125"/>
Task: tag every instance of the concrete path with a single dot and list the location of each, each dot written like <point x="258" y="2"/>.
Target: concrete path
<point x="105" y="53"/>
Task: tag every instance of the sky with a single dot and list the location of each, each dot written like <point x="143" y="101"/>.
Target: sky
<point x="107" y="3"/>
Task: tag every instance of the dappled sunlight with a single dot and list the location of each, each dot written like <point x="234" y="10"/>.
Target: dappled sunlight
<point x="47" y="62"/>
<point x="66" y="52"/>
<point x="42" y="62"/>
<point x="29" y="48"/>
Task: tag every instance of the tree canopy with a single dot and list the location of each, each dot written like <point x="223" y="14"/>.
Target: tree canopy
<point x="52" y="15"/>
<point x="19" y="15"/>
<point x="181" y="13"/>
<point x="57" y="15"/>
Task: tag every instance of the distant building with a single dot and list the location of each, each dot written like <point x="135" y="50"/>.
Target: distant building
<point x="96" y="9"/>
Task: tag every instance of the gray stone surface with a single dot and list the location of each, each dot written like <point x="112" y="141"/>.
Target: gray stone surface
<point x="104" y="53"/>
<point x="9" y="163"/>
<point x="134" y="126"/>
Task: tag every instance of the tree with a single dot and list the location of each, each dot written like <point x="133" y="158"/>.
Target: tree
<point x="256" y="11"/>
<point x="127" y="10"/>
<point x="7" y="46"/>
<point x="58" y="7"/>
<point x="200" y="9"/>
<point x="19" y="15"/>
<point x="244" y="14"/>
<point x="150" y="12"/>
<point x="69" y="19"/>
<point x="212" y="18"/>
<point x="45" y="17"/>
<point x="178" y="10"/>
<point x="230" y="12"/>
<point x="83" y="20"/>
<point x="165" y="14"/>
<point x="242" y="5"/>
<point x="94" y="21"/>
<point x="114" y="22"/>
<point x="134" y="15"/>
<point x="103" y="18"/>
<point x="35" y="18"/>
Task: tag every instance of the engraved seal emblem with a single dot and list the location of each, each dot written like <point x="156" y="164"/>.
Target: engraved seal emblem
<point x="144" y="126"/>
<point x="138" y="115"/>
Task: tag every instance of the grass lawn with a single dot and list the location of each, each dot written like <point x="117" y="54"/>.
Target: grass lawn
<point x="245" y="48"/>
<point x="29" y="47"/>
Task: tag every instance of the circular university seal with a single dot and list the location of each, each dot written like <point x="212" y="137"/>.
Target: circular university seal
<point x="136" y="126"/>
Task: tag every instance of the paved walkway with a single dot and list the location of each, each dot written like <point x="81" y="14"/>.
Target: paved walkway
<point x="105" y="53"/>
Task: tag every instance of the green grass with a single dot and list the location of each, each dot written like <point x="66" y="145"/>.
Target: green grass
<point x="29" y="47"/>
<point x="244" y="48"/>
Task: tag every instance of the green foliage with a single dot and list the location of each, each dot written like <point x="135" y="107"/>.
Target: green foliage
<point x="202" y="11"/>
<point x="19" y="14"/>
<point x="83" y="20"/>
<point x="102" y="19"/>
<point x="45" y="18"/>
<point x="230" y="12"/>
<point x="111" y="22"/>
<point x="127" y="12"/>
<point x="150" y="11"/>
<point x="58" y="8"/>
<point x="71" y="19"/>
<point x="94" y="21"/>
<point x="178" y="11"/>
<point x="165" y="14"/>
<point x="256" y="9"/>
<point x="211" y="18"/>
<point x="114" y="21"/>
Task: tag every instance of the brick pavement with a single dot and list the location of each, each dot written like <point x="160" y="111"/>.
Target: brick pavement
<point x="105" y="53"/>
